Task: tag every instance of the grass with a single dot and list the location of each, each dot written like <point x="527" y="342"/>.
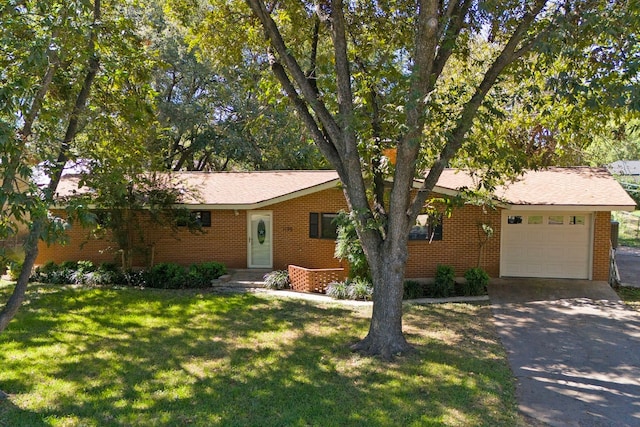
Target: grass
<point x="630" y="295"/>
<point x="110" y="357"/>
<point x="629" y="228"/>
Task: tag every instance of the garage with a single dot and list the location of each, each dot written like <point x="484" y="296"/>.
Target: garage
<point x="546" y="244"/>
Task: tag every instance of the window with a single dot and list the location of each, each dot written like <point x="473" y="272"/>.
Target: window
<point x="428" y="227"/>
<point x="534" y="219"/>
<point x="202" y="218"/>
<point x="103" y="218"/>
<point x="322" y="226"/>
<point x="576" y="220"/>
<point x="556" y="220"/>
<point x="197" y="218"/>
<point x="514" y="219"/>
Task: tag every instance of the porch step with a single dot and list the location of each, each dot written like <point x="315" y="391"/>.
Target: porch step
<point x="251" y="278"/>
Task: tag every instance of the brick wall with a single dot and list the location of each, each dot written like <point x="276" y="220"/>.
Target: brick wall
<point x="460" y="245"/>
<point x="226" y="240"/>
<point x="601" y="246"/>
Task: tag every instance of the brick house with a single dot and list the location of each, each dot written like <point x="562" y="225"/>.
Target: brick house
<point x="552" y="223"/>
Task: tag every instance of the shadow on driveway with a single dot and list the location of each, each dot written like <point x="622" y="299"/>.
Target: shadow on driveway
<point x="574" y="349"/>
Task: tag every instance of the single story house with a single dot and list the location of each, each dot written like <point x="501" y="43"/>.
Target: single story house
<point x="625" y="167"/>
<point x="552" y="223"/>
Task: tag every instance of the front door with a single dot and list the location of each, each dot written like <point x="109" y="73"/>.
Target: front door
<point x="260" y="239"/>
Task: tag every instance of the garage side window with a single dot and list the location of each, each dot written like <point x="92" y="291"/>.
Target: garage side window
<point x="576" y="220"/>
<point x="514" y="219"/>
<point x="556" y="220"/>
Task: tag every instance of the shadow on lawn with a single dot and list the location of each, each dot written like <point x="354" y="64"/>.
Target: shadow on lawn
<point x="174" y="358"/>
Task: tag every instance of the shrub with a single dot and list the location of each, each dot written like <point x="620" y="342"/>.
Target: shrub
<point x="85" y="267"/>
<point x="412" y="290"/>
<point x="278" y="279"/>
<point x="55" y="274"/>
<point x="135" y="278"/>
<point x="348" y="246"/>
<point x="476" y="281"/>
<point x="104" y="277"/>
<point x="15" y="267"/>
<point x="202" y="275"/>
<point x="444" y="282"/>
<point x="338" y="290"/>
<point x="166" y="275"/>
<point x="360" y="289"/>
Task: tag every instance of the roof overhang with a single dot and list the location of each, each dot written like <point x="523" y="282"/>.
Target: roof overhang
<point x="566" y="208"/>
<point x="264" y="203"/>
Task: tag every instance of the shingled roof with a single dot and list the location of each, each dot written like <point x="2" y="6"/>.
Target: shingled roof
<point x="574" y="187"/>
<point x="552" y="188"/>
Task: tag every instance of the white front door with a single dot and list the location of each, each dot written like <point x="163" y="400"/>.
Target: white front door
<point x="546" y="244"/>
<point x="260" y="238"/>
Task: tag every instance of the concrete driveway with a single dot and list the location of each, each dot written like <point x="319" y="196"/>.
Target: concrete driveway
<point x="574" y="349"/>
<point x="628" y="260"/>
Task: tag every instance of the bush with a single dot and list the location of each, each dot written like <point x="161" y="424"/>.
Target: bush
<point x="278" y="279"/>
<point x="14" y="270"/>
<point x="476" y="282"/>
<point x="104" y="276"/>
<point x="348" y="246"/>
<point x="135" y="278"/>
<point x="360" y="289"/>
<point x="338" y="290"/>
<point x="202" y="275"/>
<point x="444" y="282"/>
<point x="163" y="275"/>
<point x="166" y="275"/>
<point x="412" y="290"/>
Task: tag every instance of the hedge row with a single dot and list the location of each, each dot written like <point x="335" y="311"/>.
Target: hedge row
<point x="162" y="275"/>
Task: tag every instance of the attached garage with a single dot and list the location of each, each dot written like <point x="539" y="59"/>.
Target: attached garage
<point x="546" y="244"/>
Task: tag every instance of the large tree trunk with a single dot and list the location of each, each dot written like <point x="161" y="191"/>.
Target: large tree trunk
<point x="385" y="337"/>
<point x="335" y="134"/>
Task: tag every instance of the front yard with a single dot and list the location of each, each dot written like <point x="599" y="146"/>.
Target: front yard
<point x="102" y="356"/>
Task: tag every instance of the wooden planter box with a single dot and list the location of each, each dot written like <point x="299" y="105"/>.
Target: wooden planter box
<point x="314" y="279"/>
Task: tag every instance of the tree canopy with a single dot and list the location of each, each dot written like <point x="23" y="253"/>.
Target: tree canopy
<point x="496" y="87"/>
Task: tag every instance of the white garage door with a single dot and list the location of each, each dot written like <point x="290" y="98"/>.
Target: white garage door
<point x="541" y="244"/>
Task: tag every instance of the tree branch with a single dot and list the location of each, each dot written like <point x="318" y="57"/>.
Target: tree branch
<point x="322" y="140"/>
<point x="465" y="121"/>
<point x="454" y="22"/>
<point x="343" y="81"/>
<point x="38" y="226"/>
<point x="298" y="76"/>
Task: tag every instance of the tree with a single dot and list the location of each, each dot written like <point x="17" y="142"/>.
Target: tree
<point x="425" y="77"/>
<point x="128" y="203"/>
<point x="212" y="114"/>
<point x="57" y="55"/>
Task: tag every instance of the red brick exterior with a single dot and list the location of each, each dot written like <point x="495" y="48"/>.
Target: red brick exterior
<point x="601" y="246"/>
<point x="226" y="241"/>
<point x="460" y="246"/>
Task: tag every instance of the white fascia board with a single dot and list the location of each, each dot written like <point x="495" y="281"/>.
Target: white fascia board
<point x="567" y="208"/>
<point x="417" y="184"/>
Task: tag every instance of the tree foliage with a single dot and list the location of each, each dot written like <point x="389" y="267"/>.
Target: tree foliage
<point x="490" y="86"/>
<point x="72" y="73"/>
<point x="213" y="114"/>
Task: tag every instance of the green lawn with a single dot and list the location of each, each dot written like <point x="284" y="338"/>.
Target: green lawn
<point x="628" y="228"/>
<point x="630" y="295"/>
<point x="100" y="357"/>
